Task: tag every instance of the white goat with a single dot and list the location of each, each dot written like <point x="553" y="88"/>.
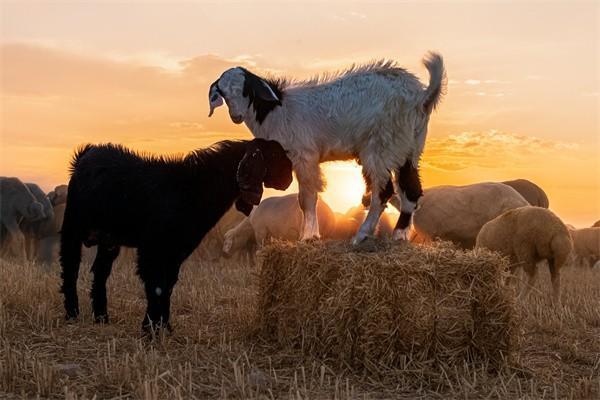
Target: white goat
<point x="376" y="113"/>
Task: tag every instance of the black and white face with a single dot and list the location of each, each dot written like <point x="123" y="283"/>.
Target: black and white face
<point x="240" y="88"/>
<point x="229" y="88"/>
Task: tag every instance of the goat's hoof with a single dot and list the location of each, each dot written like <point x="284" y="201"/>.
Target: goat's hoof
<point x="151" y="330"/>
<point x="101" y="319"/>
<point x="359" y="238"/>
<point x="400" y="234"/>
<point x="72" y="315"/>
<point x="369" y="244"/>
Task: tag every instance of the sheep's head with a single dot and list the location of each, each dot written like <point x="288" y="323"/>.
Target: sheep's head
<point x="240" y="89"/>
<point x="265" y="161"/>
<point x="58" y="195"/>
<point x="34" y="212"/>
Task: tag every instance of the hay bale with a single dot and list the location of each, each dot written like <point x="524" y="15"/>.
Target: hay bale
<point x="398" y="302"/>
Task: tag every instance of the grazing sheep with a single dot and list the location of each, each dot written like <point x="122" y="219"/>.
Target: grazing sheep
<point x="276" y="217"/>
<point x="457" y="213"/>
<point x="531" y="192"/>
<point x="58" y="195"/>
<point x="586" y="245"/>
<point x="377" y="113"/>
<point x="528" y="235"/>
<point x="17" y="203"/>
<point x="36" y="231"/>
<point x="161" y="206"/>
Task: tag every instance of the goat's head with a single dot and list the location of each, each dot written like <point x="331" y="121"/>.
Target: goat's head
<point x="240" y="89"/>
<point x="265" y="161"/>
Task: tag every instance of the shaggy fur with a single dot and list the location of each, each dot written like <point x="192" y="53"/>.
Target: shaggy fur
<point x="376" y="113"/>
<point x="528" y="235"/>
<point x="163" y="206"/>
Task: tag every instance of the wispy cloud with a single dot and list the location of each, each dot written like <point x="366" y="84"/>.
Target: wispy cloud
<point x="492" y="149"/>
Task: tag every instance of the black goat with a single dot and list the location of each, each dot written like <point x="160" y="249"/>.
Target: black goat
<point x="161" y="206"/>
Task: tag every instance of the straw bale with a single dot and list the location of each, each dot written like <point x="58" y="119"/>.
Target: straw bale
<point x="393" y="302"/>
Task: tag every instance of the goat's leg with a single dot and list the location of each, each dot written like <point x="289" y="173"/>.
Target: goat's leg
<point x="170" y="279"/>
<point x="409" y="185"/>
<point x="159" y="274"/>
<point x="366" y="198"/>
<point x="381" y="193"/>
<point x="70" y="258"/>
<point x="101" y="268"/>
<point x="310" y="182"/>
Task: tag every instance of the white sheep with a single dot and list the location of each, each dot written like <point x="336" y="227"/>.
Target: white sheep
<point x="377" y="113"/>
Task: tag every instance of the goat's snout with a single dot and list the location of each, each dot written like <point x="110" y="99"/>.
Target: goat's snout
<point x="237" y="119"/>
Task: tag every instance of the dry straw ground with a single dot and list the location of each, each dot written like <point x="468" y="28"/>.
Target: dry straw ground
<point x="214" y="353"/>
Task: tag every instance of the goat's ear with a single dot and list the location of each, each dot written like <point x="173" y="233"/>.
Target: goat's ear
<point x="243" y="207"/>
<point x="265" y="92"/>
<point x="259" y="88"/>
<point x="214" y="97"/>
<point x="250" y="175"/>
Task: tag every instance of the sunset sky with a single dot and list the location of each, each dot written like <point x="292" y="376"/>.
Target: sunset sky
<point x="523" y="94"/>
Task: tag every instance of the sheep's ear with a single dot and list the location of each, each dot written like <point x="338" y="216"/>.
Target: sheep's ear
<point x="214" y="97"/>
<point x="51" y="196"/>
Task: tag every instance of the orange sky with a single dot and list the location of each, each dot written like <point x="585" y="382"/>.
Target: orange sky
<point x="522" y="101"/>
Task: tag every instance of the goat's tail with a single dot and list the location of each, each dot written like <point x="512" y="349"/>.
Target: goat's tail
<point x="437" y="81"/>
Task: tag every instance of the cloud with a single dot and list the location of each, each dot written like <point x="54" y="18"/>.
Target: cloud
<point x="491" y="149"/>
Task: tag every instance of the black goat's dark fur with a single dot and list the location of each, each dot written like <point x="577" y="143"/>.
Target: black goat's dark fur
<point x="163" y="206"/>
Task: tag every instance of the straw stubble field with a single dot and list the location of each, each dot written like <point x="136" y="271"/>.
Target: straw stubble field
<point x="218" y="351"/>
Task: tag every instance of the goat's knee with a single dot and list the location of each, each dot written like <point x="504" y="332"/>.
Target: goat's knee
<point x="308" y="205"/>
<point x="409" y="185"/>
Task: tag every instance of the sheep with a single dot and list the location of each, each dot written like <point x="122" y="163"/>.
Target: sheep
<point x="457" y="213"/>
<point x="58" y="195"/>
<point x="586" y="245"/>
<point x="17" y="204"/>
<point x="276" y="217"/>
<point x="211" y="247"/>
<point x="161" y="206"/>
<point x="36" y="231"/>
<point x="377" y="113"/>
<point x="528" y="235"/>
<point x="531" y="192"/>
